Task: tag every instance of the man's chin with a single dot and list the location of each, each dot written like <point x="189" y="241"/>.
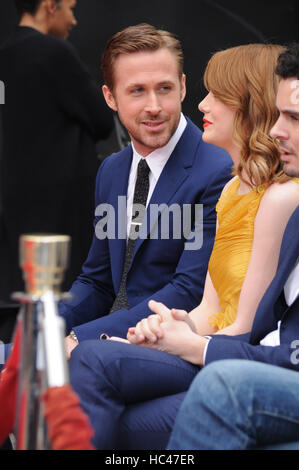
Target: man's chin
<point x="290" y="170"/>
<point x="154" y="143"/>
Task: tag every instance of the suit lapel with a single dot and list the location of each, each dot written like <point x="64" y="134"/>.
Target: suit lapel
<point x="118" y="244"/>
<point x="289" y="250"/>
<point x="270" y="309"/>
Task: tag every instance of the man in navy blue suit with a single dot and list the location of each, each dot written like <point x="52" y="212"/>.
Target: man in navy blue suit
<point x="240" y="404"/>
<point x="145" y="85"/>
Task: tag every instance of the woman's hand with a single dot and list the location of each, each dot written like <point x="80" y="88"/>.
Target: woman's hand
<point x="177" y="333"/>
<point x="149" y="329"/>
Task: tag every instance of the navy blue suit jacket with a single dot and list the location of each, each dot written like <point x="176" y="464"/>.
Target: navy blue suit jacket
<point x="160" y="269"/>
<point x="271" y="309"/>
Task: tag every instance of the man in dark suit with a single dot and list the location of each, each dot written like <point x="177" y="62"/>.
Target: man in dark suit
<point x="145" y="84"/>
<point x="240" y="404"/>
<point x="52" y="118"/>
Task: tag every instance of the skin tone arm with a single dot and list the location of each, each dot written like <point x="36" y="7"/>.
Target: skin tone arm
<point x="276" y="207"/>
<point x="148" y="328"/>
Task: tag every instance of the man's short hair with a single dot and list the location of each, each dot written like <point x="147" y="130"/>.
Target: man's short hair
<point x="139" y="38"/>
<point x="288" y="62"/>
<point x="29" y="6"/>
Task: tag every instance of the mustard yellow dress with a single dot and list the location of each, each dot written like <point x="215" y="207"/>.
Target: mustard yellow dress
<point x="232" y="248"/>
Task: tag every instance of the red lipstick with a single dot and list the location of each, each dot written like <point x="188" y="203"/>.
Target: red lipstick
<point x="206" y="123"/>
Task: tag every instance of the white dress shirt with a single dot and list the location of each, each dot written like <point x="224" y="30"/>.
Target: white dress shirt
<point x="291" y="288"/>
<point x="156" y="161"/>
<point x="291" y="291"/>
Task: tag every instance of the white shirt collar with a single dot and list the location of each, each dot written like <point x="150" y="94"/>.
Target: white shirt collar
<point x="157" y="159"/>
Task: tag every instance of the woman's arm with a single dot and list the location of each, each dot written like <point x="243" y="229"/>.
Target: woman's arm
<point x="148" y="329"/>
<point x="210" y="301"/>
<point x="207" y="307"/>
<point x="276" y="207"/>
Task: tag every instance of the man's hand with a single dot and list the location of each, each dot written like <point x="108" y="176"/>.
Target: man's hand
<point x="117" y="338"/>
<point x="149" y="329"/>
<point x="70" y="344"/>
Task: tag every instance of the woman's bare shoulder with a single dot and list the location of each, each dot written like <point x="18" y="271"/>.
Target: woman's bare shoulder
<point x="283" y="193"/>
<point x="279" y="202"/>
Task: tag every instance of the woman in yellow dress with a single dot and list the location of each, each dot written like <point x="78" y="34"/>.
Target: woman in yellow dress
<point x="253" y="210"/>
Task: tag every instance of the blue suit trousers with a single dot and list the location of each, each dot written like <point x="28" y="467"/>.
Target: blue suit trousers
<point x="130" y="393"/>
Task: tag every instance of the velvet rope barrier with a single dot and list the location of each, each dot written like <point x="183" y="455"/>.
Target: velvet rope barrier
<point x="8" y="388"/>
<point x="68" y="426"/>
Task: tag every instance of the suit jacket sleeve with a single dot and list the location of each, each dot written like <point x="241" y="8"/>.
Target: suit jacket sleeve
<point x="270" y="310"/>
<point x="284" y="355"/>
<point x="92" y="293"/>
<point x="183" y="291"/>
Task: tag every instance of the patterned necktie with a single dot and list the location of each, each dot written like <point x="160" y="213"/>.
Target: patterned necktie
<point x="140" y="198"/>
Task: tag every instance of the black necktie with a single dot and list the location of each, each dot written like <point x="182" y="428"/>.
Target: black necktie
<point x="140" y="198"/>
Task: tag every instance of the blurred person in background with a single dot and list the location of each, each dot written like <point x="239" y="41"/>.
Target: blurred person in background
<point x="52" y="118"/>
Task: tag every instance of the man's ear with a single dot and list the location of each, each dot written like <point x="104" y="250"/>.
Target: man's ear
<point x="109" y="98"/>
<point x="183" y="87"/>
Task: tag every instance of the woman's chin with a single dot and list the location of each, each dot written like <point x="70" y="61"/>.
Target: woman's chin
<point x="206" y="138"/>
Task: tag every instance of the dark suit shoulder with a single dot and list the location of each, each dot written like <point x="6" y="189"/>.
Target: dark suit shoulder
<point x="290" y="243"/>
<point x="214" y="157"/>
<point x="208" y="155"/>
<point x="293" y="223"/>
<point x="24" y="37"/>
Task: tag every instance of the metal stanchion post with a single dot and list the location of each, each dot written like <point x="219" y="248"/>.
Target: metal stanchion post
<point x="43" y="259"/>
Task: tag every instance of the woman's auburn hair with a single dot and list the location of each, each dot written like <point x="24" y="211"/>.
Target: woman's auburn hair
<point x="244" y="77"/>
